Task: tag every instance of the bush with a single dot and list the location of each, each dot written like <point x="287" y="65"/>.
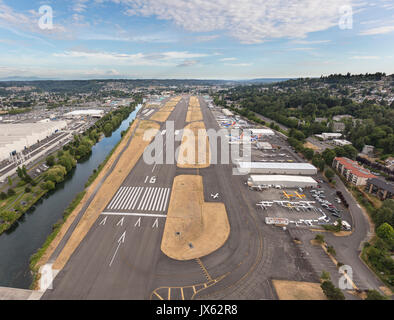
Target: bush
<point x="11" y="192"/>
<point x="375" y="295"/>
<point x="329" y="174"/>
<point x="325" y="275"/>
<point x="331" y="292"/>
<point x="331" y="250"/>
<point x="3" y="196"/>
<point x="319" y="238"/>
<point x="50" y="161"/>
<point x="27" y="190"/>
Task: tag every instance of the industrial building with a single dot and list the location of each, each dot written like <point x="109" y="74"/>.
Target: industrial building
<point x="16" y="137"/>
<point x="263" y="132"/>
<point x="227" y="112"/>
<point x="341" y="142"/>
<point x="285" y="181"/>
<point x="276" y="168"/>
<point x="329" y="135"/>
<point x="262" y="145"/>
<point x="82" y="113"/>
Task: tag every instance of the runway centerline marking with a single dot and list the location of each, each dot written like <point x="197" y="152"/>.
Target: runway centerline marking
<point x="120" y="241"/>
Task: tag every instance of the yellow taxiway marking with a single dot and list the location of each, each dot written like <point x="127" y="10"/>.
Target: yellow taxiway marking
<point x="169" y="293"/>
<point x="183" y="297"/>
<point x="160" y="297"/>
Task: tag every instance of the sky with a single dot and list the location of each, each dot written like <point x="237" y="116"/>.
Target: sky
<point x="194" y="39"/>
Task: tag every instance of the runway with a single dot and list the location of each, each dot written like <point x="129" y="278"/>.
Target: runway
<point x="120" y="258"/>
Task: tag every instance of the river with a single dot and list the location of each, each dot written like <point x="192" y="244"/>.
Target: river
<point x="28" y="234"/>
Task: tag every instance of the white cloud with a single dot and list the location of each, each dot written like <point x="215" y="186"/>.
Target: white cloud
<point x="206" y="38"/>
<point x="228" y="59"/>
<point x="238" y="64"/>
<point x="378" y="30"/>
<point x="170" y="58"/>
<point x="188" y="63"/>
<point x="250" y="21"/>
<point x="365" y="57"/>
<point x="310" y="41"/>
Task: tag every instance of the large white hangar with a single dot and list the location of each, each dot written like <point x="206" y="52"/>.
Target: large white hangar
<point x="15" y="137"/>
<point x="285" y="181"/>
<point x="276" y="168"/>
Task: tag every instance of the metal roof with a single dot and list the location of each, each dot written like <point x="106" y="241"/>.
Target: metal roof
<point x="276" y="165"/>
<point x="284" y="178"/>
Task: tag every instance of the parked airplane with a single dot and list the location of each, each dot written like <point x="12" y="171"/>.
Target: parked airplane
<point x="215" y="196"/>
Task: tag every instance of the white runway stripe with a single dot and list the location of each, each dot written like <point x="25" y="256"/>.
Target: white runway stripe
<point x="165" y="201"/>
<point x="135" y="200"/>
<point x="115" y="200"/>
<point x="143" y="199"/>
<point x="148" y="198"/>
<point x="126" y="198"/>
<point x="160" y="196"/>
<point x="121" y="199"/>
<point x="140" y="198"/>
<point x="154" y="194"/>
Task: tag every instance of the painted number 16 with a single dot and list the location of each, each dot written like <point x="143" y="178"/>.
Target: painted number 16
<point x="151" y="180"/>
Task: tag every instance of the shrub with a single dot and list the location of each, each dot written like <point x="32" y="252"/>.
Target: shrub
<point x="331" y="292"/>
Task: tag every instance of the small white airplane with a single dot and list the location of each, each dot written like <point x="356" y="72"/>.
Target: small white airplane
<point x="215" y="196"/>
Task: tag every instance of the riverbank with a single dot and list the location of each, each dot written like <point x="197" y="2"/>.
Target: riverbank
<point x="28" y="191"/>
<point x="30" y="232"/>
<point x="43" y="255"/>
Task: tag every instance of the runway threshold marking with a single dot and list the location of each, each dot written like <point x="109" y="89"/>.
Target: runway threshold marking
<point x="135" y="214"/>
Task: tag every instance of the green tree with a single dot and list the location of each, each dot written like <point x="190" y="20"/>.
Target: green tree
<point x="325" y="275"/>
<point x="331" y="292"/>
<point x="328" y="156"/>
<point x="319" y="238"/>
<point x="375" y="295"/>
<point x="309" y="153"/>
<point x="386" y="232"/>
<point x="50" y="161"/>
<point x="11" y="192"/>
<point x="331" y="250"/>
<point x="3" y="196"/>
<point x="329" y="174"/>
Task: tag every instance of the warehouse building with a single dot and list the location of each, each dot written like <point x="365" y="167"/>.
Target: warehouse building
<point x="276" y="168"/>
<point x="284" y="181"/>
<point x="15" y="138"/>
<point x="263" y="132"/>
<point x="82" y="113"/>
<point x="262" y="145"/>
<point x="227" y="112"/>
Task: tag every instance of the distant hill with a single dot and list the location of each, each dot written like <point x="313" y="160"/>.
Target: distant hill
<point x="265" y="80"/>
<point x="16" y="78"/>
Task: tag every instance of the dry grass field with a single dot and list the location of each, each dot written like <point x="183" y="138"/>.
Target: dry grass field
<point x="193" y="228"/>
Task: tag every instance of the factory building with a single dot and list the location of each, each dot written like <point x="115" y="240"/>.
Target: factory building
<point x="16" y="137"/>
<point x="276" y="168"/>
<point x="284" y="181"/>
<point x="82" y="113"/>
<point x="227" y="112"/>
<point x="263" y="132"/>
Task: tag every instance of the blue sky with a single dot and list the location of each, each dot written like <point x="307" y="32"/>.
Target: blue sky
<point x="222" y="39"/>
